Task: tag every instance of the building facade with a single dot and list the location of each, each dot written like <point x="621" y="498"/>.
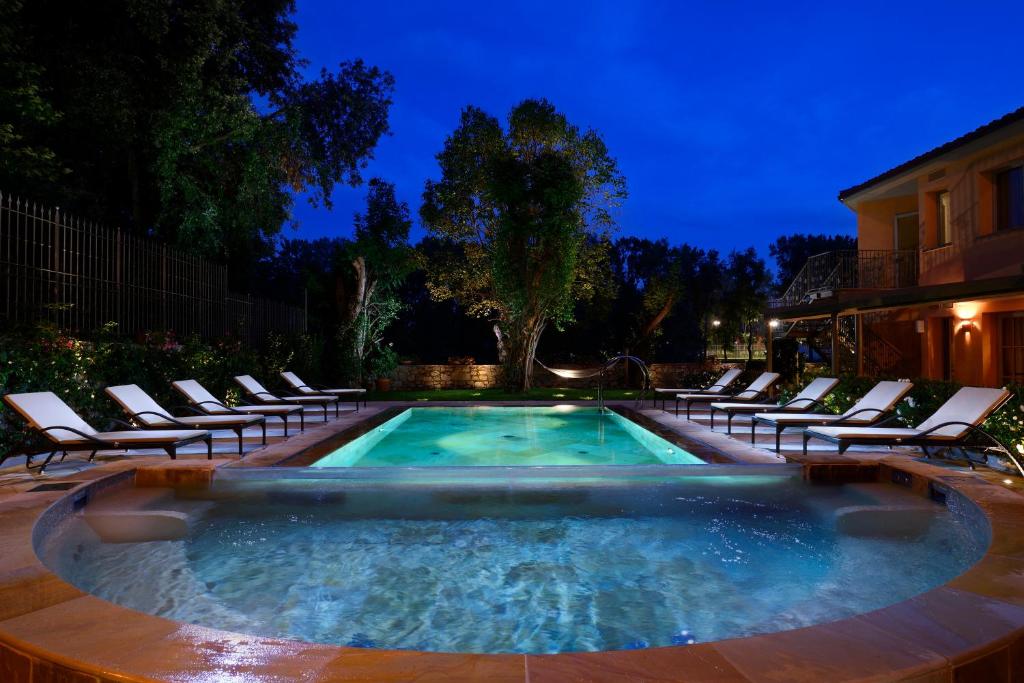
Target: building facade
<point x="936" y="286"/>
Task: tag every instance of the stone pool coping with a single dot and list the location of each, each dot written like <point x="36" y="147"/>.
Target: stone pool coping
<point x="968" y="629"/>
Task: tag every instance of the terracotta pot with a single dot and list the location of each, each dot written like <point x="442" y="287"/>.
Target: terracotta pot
<point x="383" y="384"/>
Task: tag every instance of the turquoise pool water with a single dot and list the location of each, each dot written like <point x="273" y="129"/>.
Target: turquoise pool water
<point x="514" y="567"/>
<point x="507" y="436"/>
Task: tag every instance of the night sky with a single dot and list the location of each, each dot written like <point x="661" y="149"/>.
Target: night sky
<point x="733" y="122"/>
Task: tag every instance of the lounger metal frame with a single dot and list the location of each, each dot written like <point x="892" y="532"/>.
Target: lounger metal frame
<point x="278" y="400"/>
<point x="879" y="419"/>
<point x="922" y="439"/>
<point x="328" y="389"/>
<point x="812" y="405"/>
<point x="237" y="428"/>
<point x="302" y="416"/>
<point x="741" y="396"/>
<point x="94" y="444"/>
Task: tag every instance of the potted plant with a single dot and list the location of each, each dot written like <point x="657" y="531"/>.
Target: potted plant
<point x="382" y="365"/>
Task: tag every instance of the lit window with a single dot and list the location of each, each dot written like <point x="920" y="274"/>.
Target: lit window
<point x="1010" y="199"/>
<point x="943" y="233"/>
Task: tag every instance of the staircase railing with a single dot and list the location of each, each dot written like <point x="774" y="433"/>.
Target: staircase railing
<point x="825" y="273"/>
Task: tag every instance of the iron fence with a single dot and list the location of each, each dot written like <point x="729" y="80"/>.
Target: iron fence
<point x="80" y="276"/>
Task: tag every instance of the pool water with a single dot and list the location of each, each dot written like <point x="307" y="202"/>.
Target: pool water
<point x="513" y="567"/>
<point x="507" y="436"/>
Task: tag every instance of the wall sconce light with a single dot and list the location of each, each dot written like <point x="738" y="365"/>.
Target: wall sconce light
<point x="965" y="311"/>
<point x="919" y="326"/>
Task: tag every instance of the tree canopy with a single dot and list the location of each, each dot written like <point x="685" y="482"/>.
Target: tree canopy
<point x="191" y="121"/>
<point x="527" y="209"/>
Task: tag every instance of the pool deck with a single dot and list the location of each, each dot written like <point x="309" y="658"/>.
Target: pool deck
<point x="969" y="629"/>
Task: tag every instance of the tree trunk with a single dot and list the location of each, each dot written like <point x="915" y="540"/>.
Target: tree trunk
<point x="520" y="352"/>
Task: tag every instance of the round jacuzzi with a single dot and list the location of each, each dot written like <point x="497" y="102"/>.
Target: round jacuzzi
<point x="523" y="565"/>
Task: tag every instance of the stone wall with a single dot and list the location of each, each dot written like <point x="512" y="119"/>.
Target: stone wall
<point x="415" y="377"/>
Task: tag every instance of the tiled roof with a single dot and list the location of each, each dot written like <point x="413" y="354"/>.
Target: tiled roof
<point x="991" y="127"/>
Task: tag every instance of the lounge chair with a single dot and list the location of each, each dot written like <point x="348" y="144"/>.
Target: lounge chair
<point x="950" y="426"/>
<point x="51" y="417"/>
<point x="807" y="401"/>
<point x="721" y="384"/>
<point x="756" y="391"/>
<point x="871" y="409"/>
<point x="307" y="390"/>
<point x="149" y="414"/>
<point x="258" y="393"/>
<point x="198" y="397"/>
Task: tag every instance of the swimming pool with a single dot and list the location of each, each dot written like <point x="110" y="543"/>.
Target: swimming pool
<point x="507" y="436"/>
<point x="517" y="566"/>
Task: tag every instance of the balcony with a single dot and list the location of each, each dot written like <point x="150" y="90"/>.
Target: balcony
<point x="825" y="274"/>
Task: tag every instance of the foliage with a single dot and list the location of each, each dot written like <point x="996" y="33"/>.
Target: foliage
<point x="523" y="209"/>
<point x="744" y="295"/>
<point x="192" y="120"/>
<point x="25" y="112"/>
<point x="383" y="362"/>
<point x="380" y="259"/>
<point x="42" y="358"/>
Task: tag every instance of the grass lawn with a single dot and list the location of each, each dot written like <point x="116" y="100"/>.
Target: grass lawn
<point x="501" y="395"/>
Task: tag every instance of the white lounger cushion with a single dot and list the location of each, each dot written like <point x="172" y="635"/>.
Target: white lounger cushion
<point x="746" y="407"/>
<point x="295" y="382"/>
<point x="134" y="400"/>
<point x="259" y="392"/>
<point x="720" y="385"/>
<point x="815" y="391"/>
<point x="971" y="405"/>
<point x="45" y="409"/>
<point x="884" y="433"/>
<point x="763" y="381"/>
<point x="152" y="436"/>
<point x="798" y="418"/>
<point x="197" y="394"/>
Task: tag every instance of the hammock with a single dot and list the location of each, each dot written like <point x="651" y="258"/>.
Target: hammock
<point x="568" y="373"/>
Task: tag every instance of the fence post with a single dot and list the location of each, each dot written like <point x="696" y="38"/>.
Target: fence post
<point x="55" y="278"/>
<point x="163" y="287"/>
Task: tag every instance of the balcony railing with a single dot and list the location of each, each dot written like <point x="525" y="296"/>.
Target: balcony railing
<point x="824" y="274"/>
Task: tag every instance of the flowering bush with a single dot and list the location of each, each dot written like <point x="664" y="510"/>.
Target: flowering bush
<point x="43" y="358"/>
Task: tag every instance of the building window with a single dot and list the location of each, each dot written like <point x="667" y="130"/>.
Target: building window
<point x="943" y="232"/>
<point x="1010" y="199"/>
<point x="1012" y="342"/>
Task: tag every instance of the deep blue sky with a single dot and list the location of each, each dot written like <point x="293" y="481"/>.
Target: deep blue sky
<point x="733" y="122"/>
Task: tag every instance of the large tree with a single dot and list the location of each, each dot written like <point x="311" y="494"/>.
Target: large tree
<point x="745" y="293"/>
<point x="528" y="208"/>
<point x="192" y="120"/>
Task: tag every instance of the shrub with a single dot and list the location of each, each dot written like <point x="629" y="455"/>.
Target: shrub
<point x="43" y="358"/>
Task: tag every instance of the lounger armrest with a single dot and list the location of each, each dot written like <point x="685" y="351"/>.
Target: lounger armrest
<point x="220" y="405"/>
<point x="749" y="394"/>
<point x="970" y="427"/>
<point x="716" y="386"/>
<point x="806" y="401"/>
<point x="87" y="437"/>
<point x="263" y="393"/>
<point x="161" y="416"/>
